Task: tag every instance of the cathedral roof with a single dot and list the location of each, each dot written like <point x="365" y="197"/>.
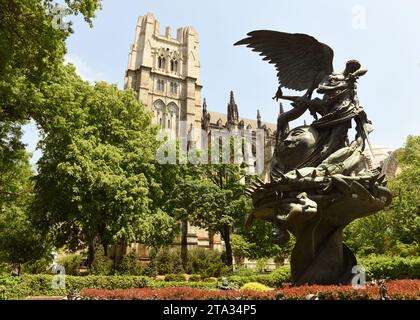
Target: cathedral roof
<point x="216" y="116"/>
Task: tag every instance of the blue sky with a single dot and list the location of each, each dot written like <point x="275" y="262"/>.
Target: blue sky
<point x="382" y="35"/>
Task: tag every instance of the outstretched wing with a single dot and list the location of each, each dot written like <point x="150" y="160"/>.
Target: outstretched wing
<point x="301" y="60"/>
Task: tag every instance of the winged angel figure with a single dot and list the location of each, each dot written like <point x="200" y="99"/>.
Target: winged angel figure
<point x="304" y="63"/>
<point x="316" y="187"/>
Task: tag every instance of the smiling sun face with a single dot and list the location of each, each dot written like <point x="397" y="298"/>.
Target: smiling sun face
<point x="297" y="146"/>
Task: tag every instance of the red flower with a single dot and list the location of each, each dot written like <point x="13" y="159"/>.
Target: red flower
<point x="399" y="289"/>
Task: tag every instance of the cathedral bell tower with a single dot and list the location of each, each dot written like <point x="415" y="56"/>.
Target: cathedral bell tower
<point x="165" y="73"/>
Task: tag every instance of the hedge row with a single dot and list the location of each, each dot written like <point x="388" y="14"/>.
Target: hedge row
<point x="377" y="267"/>
<point x="275" y="279"/>
<point x="42" y="285"/>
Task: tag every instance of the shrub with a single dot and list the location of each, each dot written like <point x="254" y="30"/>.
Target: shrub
<point x="194" y="278"/>
<point x="275" y="279"/>
<point x="260" y="278"/>
<point x="244" y="272"/>
<point x="37" y="266"/>
<point x="174" y="277"/>
<point x="207" y="263"/>
<point x="255" y="286"/>
<point x="241" y="248"/>
<point x="261" y="265"/>
<point x="403" y="250"/>
<point x="71" y="263"/>
<point x="280" y="276"/>
<point x="101" y="264"/>
<point x="164" y="261"/>
<point x="172" y="284"/>
<point x="41" y="285"/>
<point x="376" y="267"/>
<point x="379" y="267"/>
<point x="5" y="269"/>
<point x="11" y="287"/>
<point x="130" y="265"/>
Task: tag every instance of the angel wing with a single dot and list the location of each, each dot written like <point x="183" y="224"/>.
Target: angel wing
<point x="301" y="60"/>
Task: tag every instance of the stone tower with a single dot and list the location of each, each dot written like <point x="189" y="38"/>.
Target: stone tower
<point x="165" y="73"/>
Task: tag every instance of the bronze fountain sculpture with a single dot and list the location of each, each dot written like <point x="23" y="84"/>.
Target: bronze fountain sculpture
<point x="315" y="186"/>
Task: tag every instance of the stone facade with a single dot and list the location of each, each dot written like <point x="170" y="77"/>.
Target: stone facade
<point x="165" y="73"/>
<point x="215" y="121"/>
<point x="383" y="157"/>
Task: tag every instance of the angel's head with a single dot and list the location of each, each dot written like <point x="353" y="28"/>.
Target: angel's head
<point x="351" y="67"/>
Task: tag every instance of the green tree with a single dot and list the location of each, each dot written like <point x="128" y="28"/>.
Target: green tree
<point x="220" y="201"/>
<point x="370" y="234"/>
<point x="256" y="243"/>
<point x="405" y="216"/>
<point x="241" y="248"/>
<point x="397" y="229"/>
<point x="130" y="265"/>
<point x="180" y="183"/>
<point x="20" y="242"/>
<point x="97" y="175"/>
<point x="31" y="50"/>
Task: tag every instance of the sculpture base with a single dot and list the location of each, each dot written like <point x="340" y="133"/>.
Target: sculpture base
<point x="325" y="262"/>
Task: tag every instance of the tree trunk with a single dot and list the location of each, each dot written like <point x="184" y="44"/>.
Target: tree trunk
<point x="91" y="250"/>
<point x="226" y="237"/>
<point x="184" y="242"/>
<point x="91" y="254"/>
<point x="211" y="240"/>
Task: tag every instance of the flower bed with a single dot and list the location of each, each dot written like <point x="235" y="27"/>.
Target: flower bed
<point x="400" y="290"/>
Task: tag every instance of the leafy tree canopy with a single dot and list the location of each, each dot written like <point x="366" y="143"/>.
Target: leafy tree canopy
<point x="97" y="175"/>
<point x="395" y="230"/>
<point x="31" y="50"/>
<point x="20" y="242"/>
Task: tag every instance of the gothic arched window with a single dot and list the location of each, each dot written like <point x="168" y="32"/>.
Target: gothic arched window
<point x="160" y="112"/>
<point x="161" y="62"/>
<point x="160" y="85"/>
<point x="174" y="88"/>
<point x="174" y="65"/>
<point x="173" y="118"/>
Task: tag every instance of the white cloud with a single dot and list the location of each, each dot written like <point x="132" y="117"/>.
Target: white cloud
<point x="83" y="69"/>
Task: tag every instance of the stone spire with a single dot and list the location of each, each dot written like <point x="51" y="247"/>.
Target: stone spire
<point x="258" y="119"/>
<point x="232" y="111"/>
<point x="205" y="120"/>
<point x="281" y="111"/>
